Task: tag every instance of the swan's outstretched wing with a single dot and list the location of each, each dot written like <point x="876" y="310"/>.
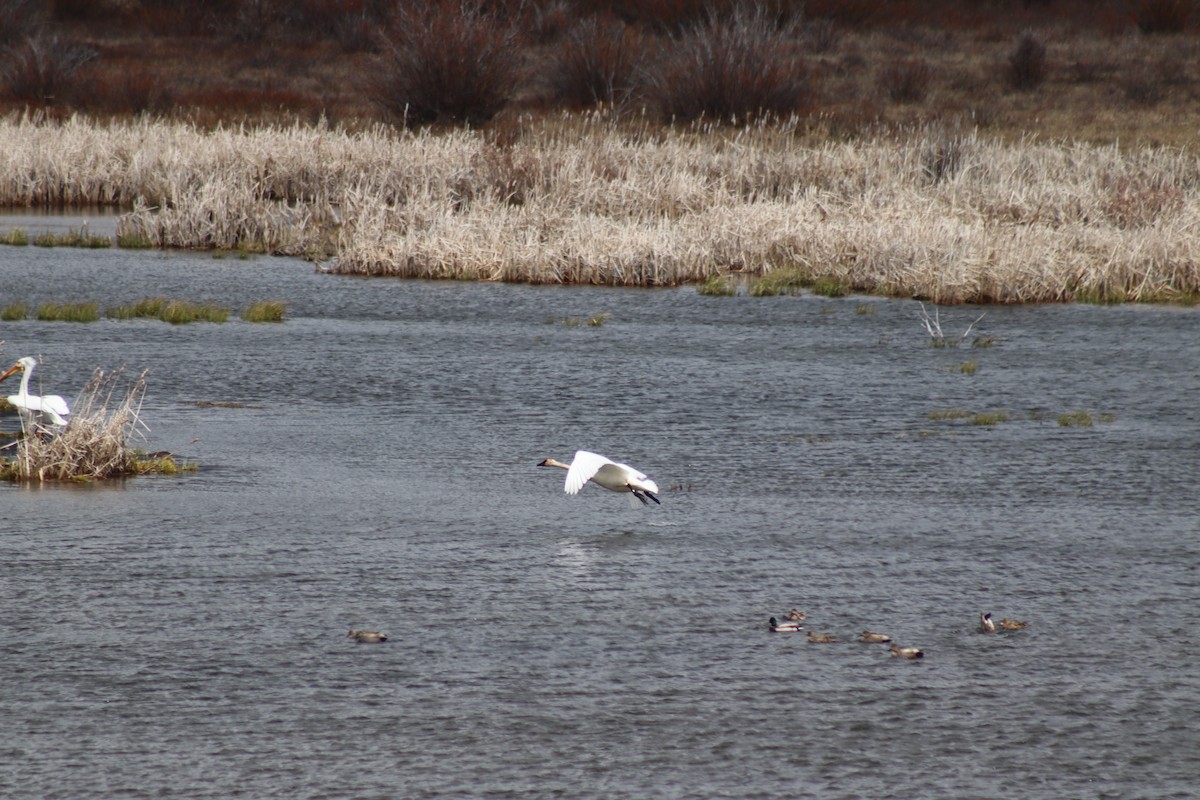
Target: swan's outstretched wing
<point x="583" y="468"/>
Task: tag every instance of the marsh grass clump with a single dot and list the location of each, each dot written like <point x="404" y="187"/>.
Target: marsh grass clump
<point x="786" y="280"/>
<point x="45" y="239"/>
<point x="146" y="307"/>
<point x="829" y="286"/>
<point x="68" y="312"/>
<point x="144" y="463"/>
<point x="181" y="312"/>
<point x="16" y="237"/>
<point x="968" y="367"/>
<point x="81" y="237"/>
<point x="950" y="413"/>
<point x="1075" y="419"/>
<point x="14" y="312"/>
<point x="264" y="311"/>
<point x="717" y="285"/>
<point x="94" y="445"/>
<point x="989" y="418"/>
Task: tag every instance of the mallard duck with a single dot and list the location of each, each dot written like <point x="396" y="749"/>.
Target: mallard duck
<point x="366" y="636"/>
<point x="1012" y="624"/>
<point x="985" y="624"/>
<point x="786" y="626"/>
<point x="796" y="613"/>
<point x="906" y="652"/>
<point x="868" y="636"/>
<point x="821" y="638"/>
<point x="609" y="474"/>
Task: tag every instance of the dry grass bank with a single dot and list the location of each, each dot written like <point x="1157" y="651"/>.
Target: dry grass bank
<point x="933" y="213"/>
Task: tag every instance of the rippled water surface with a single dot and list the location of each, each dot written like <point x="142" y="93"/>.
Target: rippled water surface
<point x="185" y="637"/>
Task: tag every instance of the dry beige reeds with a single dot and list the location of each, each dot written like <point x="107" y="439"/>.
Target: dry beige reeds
<point x="936" y="214"/>
<point x="95" y="443"/>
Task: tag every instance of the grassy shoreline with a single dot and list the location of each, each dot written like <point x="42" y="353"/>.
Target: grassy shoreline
<point x="935" y="213"/>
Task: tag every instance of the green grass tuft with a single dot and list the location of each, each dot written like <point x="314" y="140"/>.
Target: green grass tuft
<point x="264" y="311"/>
<point x="181" y="312"/>
<point x="968" y="367"/>
<point x="950" y="413"/>
<point x="717" y="285"/>
<point x="17" y="237"/>
<point x="829" y="286"/>
<point x="68" y="312"/>
<point x="14" y="312"/>
<point x="146" y="307"/>
<point x="780" y="281"/>
<point x="1075" y="419"/>
<point x="989" y="418"/>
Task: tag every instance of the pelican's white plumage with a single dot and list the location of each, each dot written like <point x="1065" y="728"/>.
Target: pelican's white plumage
<point x="604" y="472"/>
<point x="51" y="407"/>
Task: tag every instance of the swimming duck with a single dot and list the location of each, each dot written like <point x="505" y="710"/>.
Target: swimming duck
<point x="366" y="636"/>
<point x="821" y="638"/>
<point x="985" y="624"/>
<point x="609" y="474"/>
<point x="796" y="613"/>
<point x="868" y="636"/>
<point x="784" y="626"/>
<point x="1012" y="624"/>
<point x="906" y="652"/>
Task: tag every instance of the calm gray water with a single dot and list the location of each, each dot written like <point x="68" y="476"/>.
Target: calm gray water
<point x="185" y="637"/>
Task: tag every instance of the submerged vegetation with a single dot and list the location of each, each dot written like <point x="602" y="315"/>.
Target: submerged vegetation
<point x="96" y="443"/>
<point x="594" y="199"/>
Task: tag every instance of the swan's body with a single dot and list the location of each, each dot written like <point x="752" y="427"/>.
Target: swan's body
<point x="868" y="636"/>
<point x="786" y="626"/>
<point x="907" y="652"/>
<point x="985" y="624"/>
<point x="606" y="473"/>
<point x="366" y="636"/>
<point x="821" y="638"/>
<point x="43" y="408"/>
<point x="1012" y="624"/>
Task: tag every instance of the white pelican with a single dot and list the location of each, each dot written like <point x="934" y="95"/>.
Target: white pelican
<point x="50" y="407"/>
<point x="985" y="623"/>
<point x="606" y="473"/>
<point x="366" y="636"/>
<point x="786" y="626"/>
<point x="907" y="652"/>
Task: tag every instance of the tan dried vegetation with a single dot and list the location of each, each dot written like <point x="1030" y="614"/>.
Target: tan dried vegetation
<point x="930" y="212"/>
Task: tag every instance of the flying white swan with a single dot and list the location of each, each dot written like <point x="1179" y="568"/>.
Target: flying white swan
<point x="49" y="407"/>
<point x="609" y="474"/>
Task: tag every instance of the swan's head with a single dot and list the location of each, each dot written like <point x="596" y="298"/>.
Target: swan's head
<point x="22" y="364"/>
